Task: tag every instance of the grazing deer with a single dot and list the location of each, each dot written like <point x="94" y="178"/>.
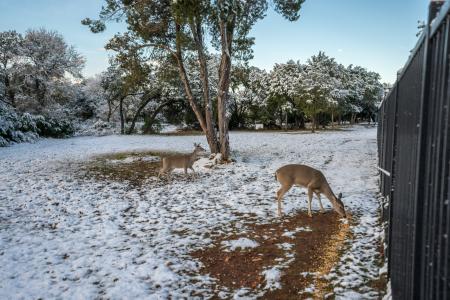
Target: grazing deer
<point x="310" y="178"/>
<point x="179" y="161"/>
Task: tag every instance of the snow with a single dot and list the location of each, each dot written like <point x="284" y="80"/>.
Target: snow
<point x="388" y="295"/>
<point x="309" y="289"/>
<point x="240" y="243"/>
<point x="272" y="277"/>
<point x="64" y="235"/>
<point x="285" y="246"/>
<point x="291" y="234"/>
<point x="169" y="128"/>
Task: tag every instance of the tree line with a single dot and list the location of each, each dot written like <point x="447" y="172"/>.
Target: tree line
<point x="180" y="63"/>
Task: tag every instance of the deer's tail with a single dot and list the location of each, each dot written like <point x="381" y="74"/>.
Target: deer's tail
<point x="276" y="178"/>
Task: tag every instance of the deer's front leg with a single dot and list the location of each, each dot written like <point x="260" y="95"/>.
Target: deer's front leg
<point x="169" y="173"/>
<point x="193" y="172"/>
<point x="280" y="194"/>
<point x="162" y="172"/>
<point x="280" y="214"/>
<point x="310" y="195"/>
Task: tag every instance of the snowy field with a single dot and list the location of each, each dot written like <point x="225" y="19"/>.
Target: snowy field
<point x="66" y="236"/>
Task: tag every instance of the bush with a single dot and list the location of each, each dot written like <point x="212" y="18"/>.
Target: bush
<point x="16" y="128"/>
<point x="97" y="128"/>
<point x="51" y="127"/>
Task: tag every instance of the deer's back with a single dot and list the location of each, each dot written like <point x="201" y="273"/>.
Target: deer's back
<point x="299" y="174"/>
<point x="177" y="161"/>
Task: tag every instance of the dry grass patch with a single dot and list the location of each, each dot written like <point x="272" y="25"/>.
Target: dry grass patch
<point x="183" y="133"/>
<point x="132" y="167"/>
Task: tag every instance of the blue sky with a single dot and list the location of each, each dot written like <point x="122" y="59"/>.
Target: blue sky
<point x="376" y="34"/>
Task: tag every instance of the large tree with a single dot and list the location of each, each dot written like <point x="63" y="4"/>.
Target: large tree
<point x="319" y="81"/>
<point x="10" y="50"/>
<point x="364" y="91"/>
<point x="179" y="29"/>
<point x="37" y="70"/>
<point x="284" y="82"/>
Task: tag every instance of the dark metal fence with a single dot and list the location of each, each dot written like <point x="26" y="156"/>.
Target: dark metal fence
<point x="414" y="156"/>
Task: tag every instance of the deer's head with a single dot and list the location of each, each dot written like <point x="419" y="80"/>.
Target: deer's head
<point x="339" y="206"/>
<point x="198" y="149"/>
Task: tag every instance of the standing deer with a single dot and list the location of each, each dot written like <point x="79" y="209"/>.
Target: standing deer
<point x="313" y="180"/>
<point x="179" y="161"/>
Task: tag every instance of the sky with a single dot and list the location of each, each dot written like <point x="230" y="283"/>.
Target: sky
<point x="375" y="34"/>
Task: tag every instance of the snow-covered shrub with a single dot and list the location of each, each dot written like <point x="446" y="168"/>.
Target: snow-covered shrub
<point x="16" y="128"/>
<point x="97" y="128"/>
<point x="28" y="123"/>
<point x="52" y="127"/>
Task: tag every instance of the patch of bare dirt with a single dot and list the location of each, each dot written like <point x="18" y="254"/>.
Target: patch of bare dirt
<point x="115" y="167"/>
<point x="316" y="252"/>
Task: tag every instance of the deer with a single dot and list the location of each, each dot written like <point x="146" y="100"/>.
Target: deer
<point x="185" y="161"/>
<point x="313" y="180"/>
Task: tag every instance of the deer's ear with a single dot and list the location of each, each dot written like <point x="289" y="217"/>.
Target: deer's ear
<point x="340" y="196"/>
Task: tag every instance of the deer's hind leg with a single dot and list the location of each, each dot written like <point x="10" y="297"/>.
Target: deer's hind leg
<point x="168" y="174"/>
<point x="310" y="196"/>
<point x="280" y="193"/>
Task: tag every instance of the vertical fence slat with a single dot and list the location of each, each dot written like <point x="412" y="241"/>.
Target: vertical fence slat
<point x="440" y="145"/>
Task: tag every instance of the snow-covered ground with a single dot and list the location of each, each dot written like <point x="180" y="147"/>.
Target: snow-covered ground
<point x="65" y="236"/>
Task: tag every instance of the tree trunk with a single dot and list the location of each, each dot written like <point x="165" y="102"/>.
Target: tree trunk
<point x="302" y="121"/>
<point x="36" y="90"/>
<point x="281" y="118"/>
<point x="9" y="92"/>
<point x="147" y="99"/>
<point x="286" y="123"/>
<point x="122" y="119"/>
<point x="224" y="82"/>
<point x="152" y="118"/>
<point x="226" y="37"/>
<point x="332" y="119"/>
<point x="314" y="118"/>
<point x="211" y="134"/>
<point x="190" y="96"/>
<point x="108" y="116"/>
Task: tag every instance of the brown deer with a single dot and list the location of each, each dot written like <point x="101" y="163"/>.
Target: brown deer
<point x="181" y="161"/>
<point x="313" y="180"/>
